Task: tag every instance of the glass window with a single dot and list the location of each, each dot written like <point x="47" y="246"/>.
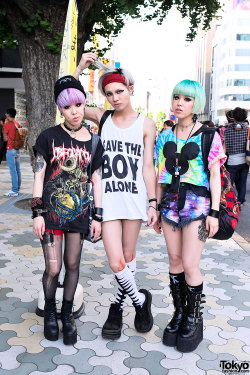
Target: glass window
<point x="242" y="52"/>
<point x="242" y="67"/>
<point x="245" y="37"/>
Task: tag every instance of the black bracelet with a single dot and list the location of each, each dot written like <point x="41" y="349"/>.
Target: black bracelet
<point x="158" y="207"/>
<point x="38" y="212"/>
<point x="214" y="213"/>
<point x="97" y="218"/>
<point x="98" y="211"/>
<point x="152" y="200"/>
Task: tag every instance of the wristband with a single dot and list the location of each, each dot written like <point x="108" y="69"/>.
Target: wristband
<point x="214" y="213"/>
<point x="152" y="200"/>
<point x="98" y="211"/>
<point x="96" y="218"/>
<point x="38" y="212"/>
<point x="158" y="207"/>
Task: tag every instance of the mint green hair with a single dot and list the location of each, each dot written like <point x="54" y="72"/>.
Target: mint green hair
<point x="193" y="89"/>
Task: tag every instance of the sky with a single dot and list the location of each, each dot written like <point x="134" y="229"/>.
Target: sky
<point x="157" y="56"/>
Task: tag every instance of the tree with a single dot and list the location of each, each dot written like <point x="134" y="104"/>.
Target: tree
<point x="37" y="26"/>
<point x="161" y="116"/>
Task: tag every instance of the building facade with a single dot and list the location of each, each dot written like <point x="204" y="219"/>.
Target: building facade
<point x="230" y="74"/>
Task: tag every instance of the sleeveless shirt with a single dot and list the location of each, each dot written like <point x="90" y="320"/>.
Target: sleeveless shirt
<point x="124" y="194"/>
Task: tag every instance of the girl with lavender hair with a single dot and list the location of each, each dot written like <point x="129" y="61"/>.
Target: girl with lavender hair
<point x="61" y="200"/>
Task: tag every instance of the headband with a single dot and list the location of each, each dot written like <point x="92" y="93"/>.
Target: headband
<point x="115" y="77"/>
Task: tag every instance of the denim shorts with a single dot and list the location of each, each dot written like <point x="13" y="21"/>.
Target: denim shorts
<point x="194" y="207"/>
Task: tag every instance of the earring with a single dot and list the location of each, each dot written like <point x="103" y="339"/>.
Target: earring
<point x="195" y="118"/>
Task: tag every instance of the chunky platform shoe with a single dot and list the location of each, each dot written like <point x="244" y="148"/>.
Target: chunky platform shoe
<point x="179" y="294"/>
<point x="51" y="329"/>
<point x="113" y="326"/>
<point x="191" y="331"/>
<point x="143" y="317"/>
<point x="68" y="324"/>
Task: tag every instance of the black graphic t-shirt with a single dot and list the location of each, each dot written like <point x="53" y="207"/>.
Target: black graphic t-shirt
<point x="66" y="183"/>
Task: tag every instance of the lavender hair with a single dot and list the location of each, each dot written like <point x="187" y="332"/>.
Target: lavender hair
<point x="68" y="97"/>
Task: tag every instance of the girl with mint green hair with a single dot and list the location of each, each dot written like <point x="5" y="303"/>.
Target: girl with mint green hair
<point x="188" y="208"/>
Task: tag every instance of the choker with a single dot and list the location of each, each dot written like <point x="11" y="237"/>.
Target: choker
<point x="73" y="131"/>
<point x="185" y="126"/>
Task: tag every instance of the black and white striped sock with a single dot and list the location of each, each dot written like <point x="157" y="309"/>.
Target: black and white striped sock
<point x="121" y="294"/>
<point x="126" y="281"/>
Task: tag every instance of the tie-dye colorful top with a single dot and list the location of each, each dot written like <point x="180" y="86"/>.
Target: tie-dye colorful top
<point x="191" y="167"/>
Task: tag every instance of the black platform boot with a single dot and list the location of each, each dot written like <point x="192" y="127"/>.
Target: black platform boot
<point x="68" y="322"/>
<point x="179" y="294"/>
<point x="143" y="316"/>
<point x="191" y="331"/>
<point x="113" y="326"/>
<point x="51" y="330"/>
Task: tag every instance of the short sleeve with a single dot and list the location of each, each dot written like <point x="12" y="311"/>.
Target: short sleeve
<point x="216" y="152"/>
<point x="98" y="157"/>
<point x="158" y="147"/>
<point x="42" y="147"/>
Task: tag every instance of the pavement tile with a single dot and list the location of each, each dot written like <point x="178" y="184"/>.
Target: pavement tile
<point x="132" y="346"/>
<point x="44" y="360"/>
<point x="79" y="361"/>
<point x="60" y="370"/>
<point x="8" y="359"/>
<point x="151" y="363"/>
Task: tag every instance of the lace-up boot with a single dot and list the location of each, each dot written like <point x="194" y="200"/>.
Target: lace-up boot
<point x="51" y="330"/>
<point x="68" y="322"/>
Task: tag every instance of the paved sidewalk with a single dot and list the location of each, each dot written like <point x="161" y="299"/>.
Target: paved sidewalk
<point x="23" y="350"/>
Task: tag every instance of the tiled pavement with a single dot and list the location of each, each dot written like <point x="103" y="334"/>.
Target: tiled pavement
<point x="23" y="349"/>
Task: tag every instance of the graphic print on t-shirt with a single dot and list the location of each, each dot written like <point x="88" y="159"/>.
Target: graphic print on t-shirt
<point x="120" y="166"/>
<point x="67" y="187"/>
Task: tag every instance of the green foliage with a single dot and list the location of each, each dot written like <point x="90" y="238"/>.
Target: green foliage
<point x="34" y="21"/>
<point x="6" y="36"/>
<point x="55" y="43"/>
<point x="109" y="20"/>
<point x="160" y="117"/>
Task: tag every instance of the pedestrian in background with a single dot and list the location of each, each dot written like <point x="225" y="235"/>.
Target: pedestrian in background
<point x="128" y="179"/>
<point x="168" y="124"/>
<point x="3" y="143"/>
<point x="189" y="210"/>
<point x="12" y="155"/>
<point x="235" y="137"/>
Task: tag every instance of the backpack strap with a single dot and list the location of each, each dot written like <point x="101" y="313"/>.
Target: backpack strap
<point x="103" y="119"/>
<point x="94" y="142"/>
<point x="206" y="142"/>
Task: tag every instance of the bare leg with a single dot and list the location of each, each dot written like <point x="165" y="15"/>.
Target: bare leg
<point x="191" y="252"/>
<point x="173" y="240"/>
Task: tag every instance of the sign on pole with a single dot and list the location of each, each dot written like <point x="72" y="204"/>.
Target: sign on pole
<point x="69" y="47"/>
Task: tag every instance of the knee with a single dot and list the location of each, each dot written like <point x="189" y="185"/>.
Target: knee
<point x="175" y="260"/>
<point x="190" y="269"/>
<point x="72" y="266"/>
<point x="53" y="269"/>
<point x="116" y="265"/>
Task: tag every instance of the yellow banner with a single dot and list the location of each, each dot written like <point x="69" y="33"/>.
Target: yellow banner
<point x="69" y="46"/>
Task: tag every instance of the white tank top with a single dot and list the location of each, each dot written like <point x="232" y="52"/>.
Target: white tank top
<point x="124" y="193"/>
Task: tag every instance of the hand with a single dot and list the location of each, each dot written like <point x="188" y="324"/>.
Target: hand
<point x="157" y="226"/>
<point x="86" y="60"/>
<point x="96" y="229"/>
<point x="152" y="216"/>
<point x="212" y="226"/>
<point x="39" y="226"/>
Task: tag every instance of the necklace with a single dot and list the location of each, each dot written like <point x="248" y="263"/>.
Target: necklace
<point x="185" y="126"/>
<point x="73" y="131"/>
<point x="177" y="166"/>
